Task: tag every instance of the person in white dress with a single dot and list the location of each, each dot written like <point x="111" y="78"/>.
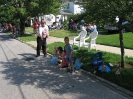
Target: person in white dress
<point x="41" y="38"/>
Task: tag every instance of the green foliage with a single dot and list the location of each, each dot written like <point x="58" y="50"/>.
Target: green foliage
<point x="77" y="17"/>
<point x="6" y="13"/>
<point x="106" y="10"/>
<point x="21" y="9"/>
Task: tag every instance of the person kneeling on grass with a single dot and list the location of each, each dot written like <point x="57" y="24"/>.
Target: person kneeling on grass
<point x="69" y="55"/>
<point x="62" y="60"/>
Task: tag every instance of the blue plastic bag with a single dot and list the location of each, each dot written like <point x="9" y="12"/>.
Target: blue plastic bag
<point x="78" y="64"/>
<point x="106" y="70"/>
<point x="54" y="60"/>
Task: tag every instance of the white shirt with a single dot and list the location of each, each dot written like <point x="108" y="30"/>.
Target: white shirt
<point x="44" y="31"/>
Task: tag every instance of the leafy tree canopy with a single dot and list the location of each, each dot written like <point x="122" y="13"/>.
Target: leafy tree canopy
<point x="16" y="9"/>
<point x="106" y="10"/>
<point x="13" y="10"/>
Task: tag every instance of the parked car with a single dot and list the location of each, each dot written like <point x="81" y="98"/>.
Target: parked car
<point x="127" y="26"/>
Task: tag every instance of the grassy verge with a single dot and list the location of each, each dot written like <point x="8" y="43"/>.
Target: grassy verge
<point x="27" y="37"/>
<point x="9" y="33"/>
<point x="105" y="39"/>
<point x="113" y="40"/>
<point x="29" y="30"/>
<point x="56" y="33"/>
<point x="125" y="80"/>
<point x="63" y="33"/>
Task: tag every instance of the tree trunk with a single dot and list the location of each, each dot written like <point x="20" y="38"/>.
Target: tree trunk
<point x="121" y="42"/>
<point x="22" y="26"/>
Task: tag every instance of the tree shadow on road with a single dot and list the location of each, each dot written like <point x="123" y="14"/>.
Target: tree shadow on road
<point x="4" y="37"/>
<point x="41" y="74"/>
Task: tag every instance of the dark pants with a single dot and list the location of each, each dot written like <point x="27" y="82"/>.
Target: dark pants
<point x="41" y="43"/>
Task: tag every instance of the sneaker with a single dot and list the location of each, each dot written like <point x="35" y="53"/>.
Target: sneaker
<point x="72" y="71"/>
<point x="68" y="70"/>
<point x="45" y="55"/>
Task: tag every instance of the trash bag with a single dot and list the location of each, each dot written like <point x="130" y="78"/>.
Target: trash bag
<point x="104" y="69"/>
<point x="54" y="60"/>
<point x="78" y="64"/>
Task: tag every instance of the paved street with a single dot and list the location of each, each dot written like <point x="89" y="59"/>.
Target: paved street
<point x="22" y="76"/>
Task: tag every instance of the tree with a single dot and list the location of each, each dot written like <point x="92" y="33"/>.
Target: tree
<point x="105" y="11"/>
<point x="21" y="9"/>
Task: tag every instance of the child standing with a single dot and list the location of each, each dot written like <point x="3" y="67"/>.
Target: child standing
<point x="69" y="55"/>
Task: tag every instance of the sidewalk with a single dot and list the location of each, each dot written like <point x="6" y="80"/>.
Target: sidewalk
<point x="111" y="49"/>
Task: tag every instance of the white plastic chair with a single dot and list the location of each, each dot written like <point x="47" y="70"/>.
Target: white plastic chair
<point x="82" y="28"/>
<point x="92" y="43"/>
<point x="81" y="36"/>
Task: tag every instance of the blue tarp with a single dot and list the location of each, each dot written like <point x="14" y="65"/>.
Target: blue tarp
<point x="53" y="60"/>
<point x="78" y="64"/>
<point x="106" y="70"/>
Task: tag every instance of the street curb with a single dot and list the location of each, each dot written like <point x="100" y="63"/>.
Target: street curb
<point x="92" y="75"/>
<point x="108" y="82"/>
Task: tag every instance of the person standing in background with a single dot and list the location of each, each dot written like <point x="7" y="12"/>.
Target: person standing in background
<point x="35" y="27"/>
<point x="41" y="38"/>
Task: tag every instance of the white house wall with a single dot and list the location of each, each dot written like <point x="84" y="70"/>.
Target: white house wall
<point x="74" y="8"/>
<point x="77" y="9"/>
<point x="71" y="7"/>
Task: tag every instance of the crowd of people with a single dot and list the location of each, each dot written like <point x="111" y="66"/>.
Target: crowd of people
<point x="64" y="57"/>
<point x="54" y="26"/>
<point x="5" y="27"/>
<point x="74" y="25"/>
<point x="10" y="28"/>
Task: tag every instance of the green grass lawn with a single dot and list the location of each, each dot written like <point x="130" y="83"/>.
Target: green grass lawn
<point x="106" y="39"/>
<point x="63" y="33"/>
<point x="113" y="40"/>
<point x="29" y="30"/>
<point x="9" y="33"/>
<point x="126" y="73"/>
<point x="56" y="33"/>
<point x="27" y="37"/>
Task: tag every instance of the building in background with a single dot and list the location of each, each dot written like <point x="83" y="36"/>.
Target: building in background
<point x="73" y="7"/>
<point x="67" y="8"/>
